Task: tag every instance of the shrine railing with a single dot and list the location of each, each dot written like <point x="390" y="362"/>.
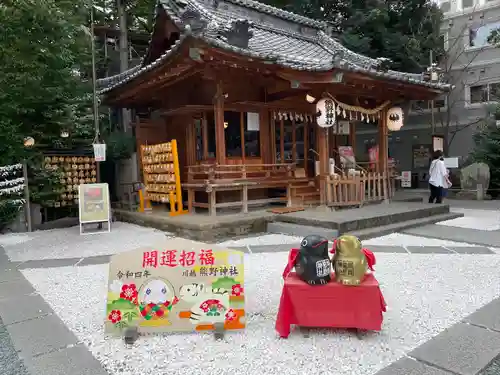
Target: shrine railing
<point x="215" y="173"/>
<point x="357" y="189"/>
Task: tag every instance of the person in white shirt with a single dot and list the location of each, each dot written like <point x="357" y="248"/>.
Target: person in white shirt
<point x="438" y="177"/>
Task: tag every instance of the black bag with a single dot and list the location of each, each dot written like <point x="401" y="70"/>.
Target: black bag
<point x="313" y="263"/>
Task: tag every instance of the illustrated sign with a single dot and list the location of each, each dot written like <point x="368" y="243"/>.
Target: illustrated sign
<point x="93" y="203"/>
<point x="347" y="157"/>
<point x="180" y="286"/>
<point x="406" y="179"/>
<point x="373" y="156"/>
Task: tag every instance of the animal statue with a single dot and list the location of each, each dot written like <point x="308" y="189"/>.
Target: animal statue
<point x="311" y="261"/>
<point x="209" y="305"/>
<point x="350" y="261"/>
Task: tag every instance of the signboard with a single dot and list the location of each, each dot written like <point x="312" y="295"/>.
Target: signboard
<point x="99" y="152"/>
<point x="406" y="179"/>
<point x="253" y="121"/>
<point x="94" y="204"/>
<point x="179" y="286"/>
<point x="347" y="158"/>
<point x="451" y="162"/>
<point x="343" y="128"/>
<point x="373" y="156"/>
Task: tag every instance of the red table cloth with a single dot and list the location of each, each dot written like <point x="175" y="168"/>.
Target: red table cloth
<point x="332" y="305"/>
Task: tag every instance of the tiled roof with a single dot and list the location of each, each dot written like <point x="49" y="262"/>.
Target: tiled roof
<point x="266" y="33"/>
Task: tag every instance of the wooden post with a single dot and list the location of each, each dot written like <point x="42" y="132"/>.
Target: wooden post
<point x="323" y="162"/>
<point x="266" y="137"/>
<point x="383" y="150"/>
<point x="352" y="137"/>
<point x="220" y="138"/>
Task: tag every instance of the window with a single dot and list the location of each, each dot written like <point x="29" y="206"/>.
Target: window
<point x="425" y="105"/>
<point x="232" y="133"/>
<point x="199" y="139"/>
<point x="467" y="4"/>
<point x="478" y="37"/>
<point x="211" y="135"/>
<point x="251" y="137"/>
<point x="485" y="93"/>
<point x="238" y="133"/>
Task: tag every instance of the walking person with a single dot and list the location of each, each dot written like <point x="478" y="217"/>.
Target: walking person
<point x="438" y="177"/>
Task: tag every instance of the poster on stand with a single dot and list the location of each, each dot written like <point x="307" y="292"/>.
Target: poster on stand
<point x="347" y="158"/>
<point x="406" y="179"/>
<point x="177" y="286"/>
<point x="94" y="205"/>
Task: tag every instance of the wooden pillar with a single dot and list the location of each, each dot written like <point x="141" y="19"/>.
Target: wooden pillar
<point x="266" y="148"/>
<point x="220" y="138"/>
<point x="323" y="161"/>
<point x="191" y="142"/>
<point x="383" y="136"/>
<point x="307" y="146"/>
<point x="352" y="137"/>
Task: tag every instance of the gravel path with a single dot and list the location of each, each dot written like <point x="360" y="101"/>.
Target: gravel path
<point x="425" y="295"/>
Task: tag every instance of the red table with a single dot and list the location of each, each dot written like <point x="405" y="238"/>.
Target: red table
<point x="331" y="305"/>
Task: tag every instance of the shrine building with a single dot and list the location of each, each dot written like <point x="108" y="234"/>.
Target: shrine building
<point x="242" y="87"/>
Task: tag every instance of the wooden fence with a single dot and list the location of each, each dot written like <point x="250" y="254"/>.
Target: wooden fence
<point x="355" y="190"/>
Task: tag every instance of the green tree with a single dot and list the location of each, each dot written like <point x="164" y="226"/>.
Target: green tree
<point x="44" y="60"/>
<point x="403" y="30"/>
<point x="487" y="147"/>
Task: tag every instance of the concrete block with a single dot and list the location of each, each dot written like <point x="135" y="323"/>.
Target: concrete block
<point x="487" y="316"/>
<point x="428" y="250"/>
<point x="463" y="349"/>
<point x="386" y="249"/>
<point x="408" y="366"/>
<point x="76" y="360"/>
<point x="471" y="250"/>
<point x="38" y="336"/>
<point x="26" y="307"/>
<point x="300" y="230"/>
<point x="101" y="259"/>
<point x="47" y="263"/>
<point x="15" y="288"/>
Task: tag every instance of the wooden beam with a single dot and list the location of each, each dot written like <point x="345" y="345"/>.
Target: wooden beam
<point x="285" y="94"/>
<point x="242" y="134"/>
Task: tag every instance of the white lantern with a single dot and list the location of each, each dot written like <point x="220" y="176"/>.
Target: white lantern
<point x="394" y="118"/>
<point x="325" y="112"/>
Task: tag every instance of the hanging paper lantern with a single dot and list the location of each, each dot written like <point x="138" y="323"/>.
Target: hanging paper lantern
<point x="394" y="118"/>
<point x="325" y="113"/>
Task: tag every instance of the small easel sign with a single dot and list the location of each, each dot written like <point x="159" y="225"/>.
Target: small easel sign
<point x="94" y="207"/>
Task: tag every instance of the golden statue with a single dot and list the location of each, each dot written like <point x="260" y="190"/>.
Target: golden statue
<point x="349" y="261"/>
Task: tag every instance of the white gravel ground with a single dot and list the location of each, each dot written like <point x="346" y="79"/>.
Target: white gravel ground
<point x="400" y="239"/>
<point x="475" y="219"/>
<point x="68" y="243"/>
<point x="266" y="239"/>
<point x="425" y="294"/>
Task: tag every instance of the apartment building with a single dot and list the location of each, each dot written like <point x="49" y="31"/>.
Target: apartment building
<point x="473" y="66"/>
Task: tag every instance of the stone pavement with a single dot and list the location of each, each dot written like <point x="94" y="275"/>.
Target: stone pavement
<point x="33" y="340"/>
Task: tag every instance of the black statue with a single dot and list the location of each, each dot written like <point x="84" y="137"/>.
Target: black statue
<point x="313" y="263"/>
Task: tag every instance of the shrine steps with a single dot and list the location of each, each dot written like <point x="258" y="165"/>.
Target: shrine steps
<point x="305" y="193"/>
<point x="300" y="230"/>
<point x="366" y="222"/>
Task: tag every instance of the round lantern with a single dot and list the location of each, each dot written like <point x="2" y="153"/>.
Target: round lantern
<point x="325" y="113"/>
<point x="394" y="118"/>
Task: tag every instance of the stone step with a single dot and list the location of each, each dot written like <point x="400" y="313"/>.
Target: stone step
<point x="300" y="230"/>
<point x="365" y="234"/>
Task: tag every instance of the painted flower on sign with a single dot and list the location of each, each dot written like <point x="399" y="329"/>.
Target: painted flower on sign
<point x="230" y="315"/>
<point x="129" y="292"/>
<point x="115" y="316"/>
<point x="237" y="290"/>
